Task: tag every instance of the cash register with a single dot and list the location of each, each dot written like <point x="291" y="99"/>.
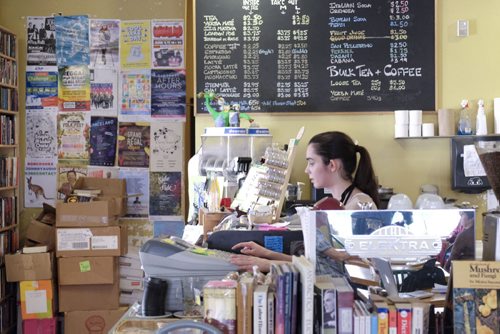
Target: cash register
<point x="172" y="259"/>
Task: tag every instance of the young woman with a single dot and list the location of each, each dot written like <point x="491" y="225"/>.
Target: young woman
<point x="332" y="164"/>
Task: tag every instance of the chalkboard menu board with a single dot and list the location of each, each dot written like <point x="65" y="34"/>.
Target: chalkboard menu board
<point x="317" y="55"/>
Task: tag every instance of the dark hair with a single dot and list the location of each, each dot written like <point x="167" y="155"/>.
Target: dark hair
<point x="337" y="145"/>
<point x="469" y="214"/>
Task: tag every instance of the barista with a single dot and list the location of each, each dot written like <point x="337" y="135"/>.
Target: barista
<point x="332" y="164"/>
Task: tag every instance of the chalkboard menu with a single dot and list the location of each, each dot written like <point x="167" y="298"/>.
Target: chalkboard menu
<point x="317" y="55"/>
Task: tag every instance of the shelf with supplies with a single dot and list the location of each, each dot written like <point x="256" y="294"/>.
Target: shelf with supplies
<point x="9" y="169"/>
<point x="454" y="136"/>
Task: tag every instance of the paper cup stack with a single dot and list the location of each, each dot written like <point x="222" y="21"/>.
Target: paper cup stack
<point x="427" y="129"/>
<point x="401" y="119"/>
<point x="415" y="126"/>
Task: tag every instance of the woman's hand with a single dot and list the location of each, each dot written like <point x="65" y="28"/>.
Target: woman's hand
<point x="253" y="249"/>
<point x="245" y="262"/>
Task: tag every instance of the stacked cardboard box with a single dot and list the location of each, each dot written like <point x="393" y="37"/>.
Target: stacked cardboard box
<point x="131" y="277"/>
<point x="88" y="244"/>
<point x="35" y="274"/>
<point x="41" y="230"/>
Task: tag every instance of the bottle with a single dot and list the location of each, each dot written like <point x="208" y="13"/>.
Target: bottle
<point x="464" y="123"/>
<point x="481" y="128"/>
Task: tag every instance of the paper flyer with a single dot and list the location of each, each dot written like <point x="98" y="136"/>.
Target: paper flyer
<point x="168" y="94"/>
<point x="104" y="92"/>
<point x="102" y="172"/>
<point x="167" y="44"/>
<point x="162" y="229"/>
<point x="41" y="90"/>
<point x="103" y="134"/>
<point x="136" y="93"/>
<point x="41" y="41"/>
<point x="133" y="145"/>
<point x="167" y="142"/>
<point x="104" y="43"/>
<point x="135" y="44"/>
<point x="165" y="195"/>
<point x="40" y="183"/>
<point x="137" y="190"/>
<point x="41" y="134"/>
<point x="66" y="178"/>
<point x="72" y="42"/>
<point x="74" y="88"/>
<point x="73" y="137"/>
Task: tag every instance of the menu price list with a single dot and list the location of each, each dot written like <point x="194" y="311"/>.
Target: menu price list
<point x="297" y="55"/>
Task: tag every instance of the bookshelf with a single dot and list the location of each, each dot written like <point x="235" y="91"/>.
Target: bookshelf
<point x="9" y="167"/>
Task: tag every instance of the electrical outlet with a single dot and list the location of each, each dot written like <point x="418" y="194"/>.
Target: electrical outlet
<point x="462" y="28"/>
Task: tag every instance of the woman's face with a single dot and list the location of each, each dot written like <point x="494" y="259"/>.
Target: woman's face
<point x="329" y="302"/>
<point x="318" y="172"/>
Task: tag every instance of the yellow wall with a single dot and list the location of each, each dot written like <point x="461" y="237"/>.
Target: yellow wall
<point x="466" y="68"/>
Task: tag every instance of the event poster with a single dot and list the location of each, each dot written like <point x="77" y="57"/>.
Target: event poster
<point x="101" y="172"/>
<point x="137" y="191"/>
<point x="104" y="43"/>
<point x="41" y="134"/>
<point x="41" y="180"/>
<point x="41" y="41"/>
<point x="166" y="146"/>
<point x="133" y="145"/>
<point x="165" y="194"/>
<point x="168" y="93"/>
<point x="103" y="92"/>
<point x="41" y="90"/>
<point x="103" y="134"/>
<point x="136" y="93"/>
<point x="72" y="43"/>
<point x="74" y="88"/>
<point x="73" y="136"/>
<point x="167" y="44"/>
<point x="135" y="44"/>
<point x="66" y="178"/>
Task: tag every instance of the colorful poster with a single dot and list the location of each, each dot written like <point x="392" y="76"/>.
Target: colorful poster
<point x="103" y="134"/>
<point x="74" y="88"/>
<point x="73" y="137"/>
<point x="103" y="92"/>
<point x="162" y="229"/>
<point x="72" y="43"/>
<point x="41" y="90"/>
<point x="168" y="93"/>
<point x="41" y="180"/>
<point x="135" y="44"/>
<point x="41" y="134"/>
<point x="102" y="172"/>
<point x="168" y="44"/>
<point x="167" y="146"/>
<point x="133" y="145"/>
<point x="41" y="41"/>
<point x="104" y="43"/>
<point x="136" y="93"/>
<point x="165" y="194"/>
<point x="66" y="179"/>
<point x="137" y="191"/>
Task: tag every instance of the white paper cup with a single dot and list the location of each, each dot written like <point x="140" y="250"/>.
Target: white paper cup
<point x="428" y="130"/>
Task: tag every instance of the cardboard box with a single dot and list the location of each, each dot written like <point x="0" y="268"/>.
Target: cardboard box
<point x="87" y="270"/>
<point x="39" y="233"/>
<point x="92" y="241"/>
<point x="40" y="326"/>
<point x="88" y="298"/>
<point x="100" y="212"/>
<point x="36" y="299"/>
<point x="113" y="189"/>
<point x="29" y="267"/>
<point x="210" y="219"/>
<point x="91" y="321"/>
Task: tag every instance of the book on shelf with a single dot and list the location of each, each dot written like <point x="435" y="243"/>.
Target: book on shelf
<point x="325" y="306"/>
<point x="382" y="309"/>
<point x="306" y="278"/>
<point x="280" y="291"/>
<point x="35" y="249"/>
<point x="420" y="318"/>
<point x="404" y="317"/>
<point x="393" y="320"/>
<point x="345" y="303"/>
<point x="87" y="192"/>
<point x="476" y="285"/>
<point x="270" y="311"/>
<point x="260" y="309"/>
<point x="288" y="274"/>
<point x="244" y="304"/>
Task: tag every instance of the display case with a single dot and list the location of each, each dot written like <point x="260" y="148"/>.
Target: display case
<point x="9" y="183"/>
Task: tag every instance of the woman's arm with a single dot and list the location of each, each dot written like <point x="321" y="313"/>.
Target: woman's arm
<point x="253" y="249"/>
